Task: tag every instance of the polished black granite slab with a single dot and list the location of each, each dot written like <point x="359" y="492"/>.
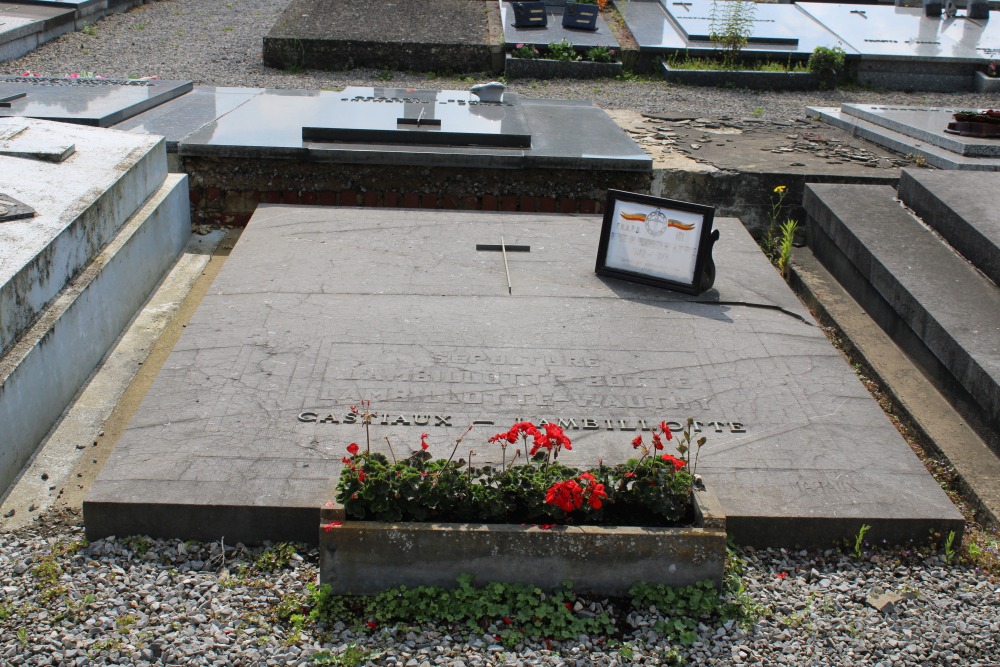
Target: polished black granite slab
<point x="569" y="134"/>
<point x="85" y="101"/>
<point x="554" y="31"/>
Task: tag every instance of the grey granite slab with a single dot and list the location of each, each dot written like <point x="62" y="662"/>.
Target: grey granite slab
<point x="926" y="124"/>
<point x="903" y="144"/>
<point x="95" y="102"/>
<point x="772" y="24"/>
<point x="179" y="117"/>
<point x="654" y="30"/>
<point x="270" y="124"/>
<point x="947" y="304"/>
<point x="963" y="208"/>
<point x="903" y="32"/>
<point x="554" y="31"/>
<point x="317" y="309"/>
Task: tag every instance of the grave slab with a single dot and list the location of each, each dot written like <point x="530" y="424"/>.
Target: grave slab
<point x="926" y="124"/>
<point x="94" y="102"/>
<point x="562" y="134"/>
<point x="659" y="27"/>
<point x="904" y="32"/>
<point x="901" y="143"/>
<point x="243" y="431"/>
<point x="554" y="31"/>
<point x="177" y="118"/>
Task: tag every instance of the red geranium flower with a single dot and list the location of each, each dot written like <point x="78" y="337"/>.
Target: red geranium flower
<point x="353" y="448"/>
<point x="666" y="431"/>
<point x="637" y="442"/>
<point x="423" y="441"/>
<point x="657" y="441"/>
<point x="361" y="474"/>
<point x="566" y="495"/>
<point x="678" y="464"/>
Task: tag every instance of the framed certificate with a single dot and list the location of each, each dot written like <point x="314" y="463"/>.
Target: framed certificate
<point x="657" y="241"/>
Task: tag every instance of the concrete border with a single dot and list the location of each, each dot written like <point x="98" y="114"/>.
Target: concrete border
<point x="367" y="557"/>
<point x="43" y="371"/>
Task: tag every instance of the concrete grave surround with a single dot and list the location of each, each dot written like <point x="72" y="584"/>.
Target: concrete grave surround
<point x="109" y="221"/>
<point x="24" y="27"/>
<point x="242" y="433"/>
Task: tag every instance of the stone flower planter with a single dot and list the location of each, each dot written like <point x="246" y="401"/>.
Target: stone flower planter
<point x="366" y="557"/>
<point x="751" y="79"/>
<point x="540" y="68"/>
<point x="985" y="84"/>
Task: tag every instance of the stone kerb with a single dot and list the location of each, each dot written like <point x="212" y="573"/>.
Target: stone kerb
<point x="751" y="79"/>
<point x="543" y="68"/>
<point x="368" y="557"/>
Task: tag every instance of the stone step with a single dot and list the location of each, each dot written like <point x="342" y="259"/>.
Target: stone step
<point x="80" y="202"/>
<point x="46" y="367"/>
<point x="962" y="207"/>
<point x="933" y="303"/>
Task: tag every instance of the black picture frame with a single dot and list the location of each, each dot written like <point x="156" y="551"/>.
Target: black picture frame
<point x="656" y="241"/>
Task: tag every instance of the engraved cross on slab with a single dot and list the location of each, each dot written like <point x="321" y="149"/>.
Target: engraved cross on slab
<point x="504" y="248"/>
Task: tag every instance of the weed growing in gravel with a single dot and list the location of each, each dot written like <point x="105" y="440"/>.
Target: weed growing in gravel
<point x="385" y="74"/>
<point x="89" y="30"/>
<point x="738" y="605"/>
<point x="788" y="229"/>
<point x="513" y="612"/>
<point x="351" y="655"/>
<point x="859" y="540"/>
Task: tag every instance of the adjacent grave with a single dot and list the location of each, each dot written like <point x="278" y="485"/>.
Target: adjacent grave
<point x="431" y="35"/>
<point x="96" y="102"/>
<point x="916" y="131"/>
<point x="108" y="221"/>
<point x="242" y="433"/>
<point x="684" y="26"/>
<point x="886" y="46"/>
<point x="24" y="28"/>
<point x="554" y="30"/>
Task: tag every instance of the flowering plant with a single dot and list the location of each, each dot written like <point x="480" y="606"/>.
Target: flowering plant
<point x="525" y="51"/>
<point x="529" y="486"/>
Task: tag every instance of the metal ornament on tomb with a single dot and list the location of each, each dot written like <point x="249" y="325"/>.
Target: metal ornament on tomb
<point x="84" y="101"/>
<point x="12" y="209"/>
<point x="421" y="117"/>
<point x="695" y="20"/>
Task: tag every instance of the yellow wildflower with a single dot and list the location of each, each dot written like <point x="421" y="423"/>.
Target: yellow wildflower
<point x="780" y="189"/>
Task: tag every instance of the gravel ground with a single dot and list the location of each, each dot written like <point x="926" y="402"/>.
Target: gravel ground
<point x="150" y="602"/>
<point x="219" y="42"/>
<point x="141" y="602"/>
